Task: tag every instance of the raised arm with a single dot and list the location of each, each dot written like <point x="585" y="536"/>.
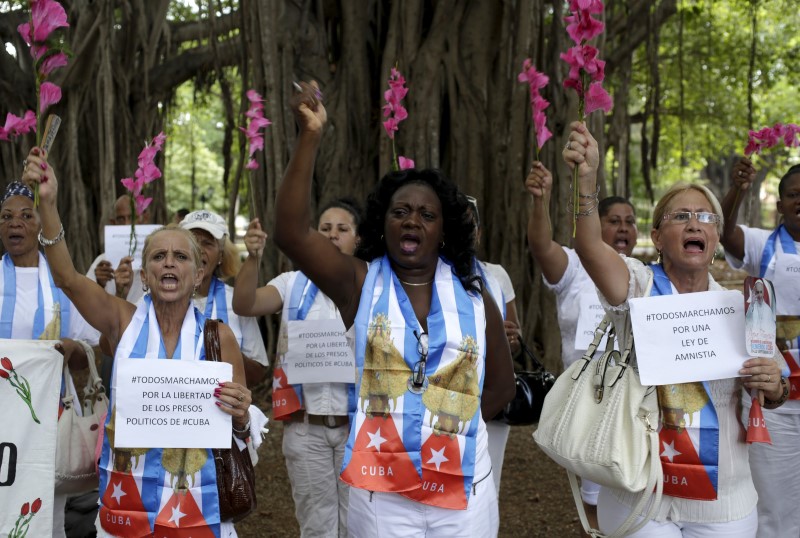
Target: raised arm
<point x="106" y="313"/>
<point x="248" y="299"/>
<point x="548" y="254"/>
<point x="338" y="275"/>
<point x="742" y="176"/>
<point x="607" y="270"/>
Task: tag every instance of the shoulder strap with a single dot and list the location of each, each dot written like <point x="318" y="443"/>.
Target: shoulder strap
<point x="211" y="336"/>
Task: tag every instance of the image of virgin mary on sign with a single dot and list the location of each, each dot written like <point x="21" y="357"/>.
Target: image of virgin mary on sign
<point x="760" y="328"/>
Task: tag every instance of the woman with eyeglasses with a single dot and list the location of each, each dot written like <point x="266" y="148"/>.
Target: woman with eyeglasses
<point x="432" y="358"/>
<point x="773" y="254"/>
<point x="709" y="494"/>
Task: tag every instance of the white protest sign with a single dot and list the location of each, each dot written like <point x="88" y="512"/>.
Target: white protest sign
<point x="170" y="404"/>
<point x="688" y="337"/>
<point x="118" y="242"/>
<point x="318" y="353"/>
<point x="590" y="316"/>
<point x="30" y="379"/>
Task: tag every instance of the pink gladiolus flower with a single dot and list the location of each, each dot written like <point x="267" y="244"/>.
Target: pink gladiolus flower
<point x="393" y="110"/>
<point x="16" y="126"/>
<point x="543" y="134"/>
<point x="142" y="203"/>
<point x="581" y="27"/>
<point x="769" y="137"/>
<point x="132" y="185"/>
<point x="255" y="138"/>
<point x="53" y="62"/>
<point x="49" y="94"/>
<point x="597" y="98"/>
<point x="6" y="362"/>
<point x="536" y="81"/>
<point x="46" y="16"/>
<point x="405" y="163"/>
<point x="590" y="6"/>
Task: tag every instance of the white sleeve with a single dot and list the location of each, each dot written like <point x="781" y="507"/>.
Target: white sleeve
<point x="79" y="328"/>
<point x="505" y="283"/>
<point x="252" y="343"/>
<point x="280" y="283"/>
<point x="573" y="263"/>
<point x="755" y="239"/>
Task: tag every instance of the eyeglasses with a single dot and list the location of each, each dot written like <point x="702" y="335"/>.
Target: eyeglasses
<point x="683" y="217"/>
<point x="417" y="383"/>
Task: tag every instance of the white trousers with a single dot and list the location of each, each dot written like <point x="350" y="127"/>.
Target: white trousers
<point x="390" y="515"/>
<point x="611" y="513"/>
<point x="314" y="460"/>
<point x="776" y="475"/>
<point x="497" y="433"/>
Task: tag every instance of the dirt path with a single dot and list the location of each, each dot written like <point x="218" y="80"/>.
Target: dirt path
<point x="535" y="499"/>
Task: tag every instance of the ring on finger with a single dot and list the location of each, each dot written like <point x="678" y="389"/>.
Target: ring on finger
<point x="240" y="397"/>
<point x="741" y="173"/>
<point x="567" y="145"/>
<point x="769" y="378"/>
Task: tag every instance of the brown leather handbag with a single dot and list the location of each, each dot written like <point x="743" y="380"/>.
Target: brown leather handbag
<point x="236" y="480"/>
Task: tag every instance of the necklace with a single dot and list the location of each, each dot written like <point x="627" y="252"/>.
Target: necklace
<point x="415" y="284"/>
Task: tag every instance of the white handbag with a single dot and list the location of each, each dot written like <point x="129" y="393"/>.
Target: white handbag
<point x="77" y="435"/>
<point x="599" y="423"/>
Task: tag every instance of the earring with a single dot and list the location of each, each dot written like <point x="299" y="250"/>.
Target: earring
<point x="194" y="292"/>
<point x="441" y="245"/>
<point x="658" y="261"/>
<point x="145" y="288"/>
<point x="381" y="237"/>
<point x="712" y="259"/>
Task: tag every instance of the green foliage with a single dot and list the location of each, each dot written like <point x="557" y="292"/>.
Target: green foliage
<point x="716" y="54"/>
<point x="195" y="132"/>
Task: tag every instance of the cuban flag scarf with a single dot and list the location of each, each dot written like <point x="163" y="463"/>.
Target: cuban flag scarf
<point x="168" y="493"/>
<point x="421" y="445"/>
<point x="49" y="297"/>
<point x="286" y="398"/>
<point x="689" y="433"/>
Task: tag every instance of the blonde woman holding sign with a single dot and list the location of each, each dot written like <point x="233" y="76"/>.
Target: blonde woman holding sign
<point x="147" y="491"/>
<point x="708" y="489"/>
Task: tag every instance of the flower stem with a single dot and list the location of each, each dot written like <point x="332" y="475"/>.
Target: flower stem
<point x="133" y="241"/>
<point x="575" y="189"/>
<point x="395" y="163"/>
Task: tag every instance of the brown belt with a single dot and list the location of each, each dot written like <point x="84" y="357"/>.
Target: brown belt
<point x="329" y="421"/>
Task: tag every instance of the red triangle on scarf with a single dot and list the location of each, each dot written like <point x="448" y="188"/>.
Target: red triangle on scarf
<point x="122" y="512"/>
<point x="379" y="461"/>
<point x="182" y="518"/>
<point x="442" y="475"/>
<point x="685" y="476"/>
<point x="757" y="431"/>
<point x="284" y="398"/>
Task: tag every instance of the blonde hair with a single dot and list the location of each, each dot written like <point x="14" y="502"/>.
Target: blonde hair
<point x="194" y="248"/>
<point x="680" y="188"/>
<point x="231" y="263"/>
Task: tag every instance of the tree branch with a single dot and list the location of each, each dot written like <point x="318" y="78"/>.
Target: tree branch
<point x="638" y="31"/>
<point x="178" y="69"/>
<point x="197" y="30"/>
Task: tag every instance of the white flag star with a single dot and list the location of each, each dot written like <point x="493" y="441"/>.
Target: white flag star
<point x="118" y="493"/>
<point x="276" y="383"/>
<point x="176" y="515"/>
<point x="437" y="457"/>
<point x="375" y="440"/>
<point x="669" y="450"/>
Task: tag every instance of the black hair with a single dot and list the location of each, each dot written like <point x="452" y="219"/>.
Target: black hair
<point x="605" y="204"/>
<point x="182" y="212"/>
<point x="458" y="226"/>
<point x="349" y="204"/>
<point x="782" y="185"/>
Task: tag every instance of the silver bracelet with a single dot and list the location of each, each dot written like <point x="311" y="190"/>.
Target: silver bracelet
<point x="594" y="195"/>
<point x="50" y="242"/>
<point x="244" y="430"/>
